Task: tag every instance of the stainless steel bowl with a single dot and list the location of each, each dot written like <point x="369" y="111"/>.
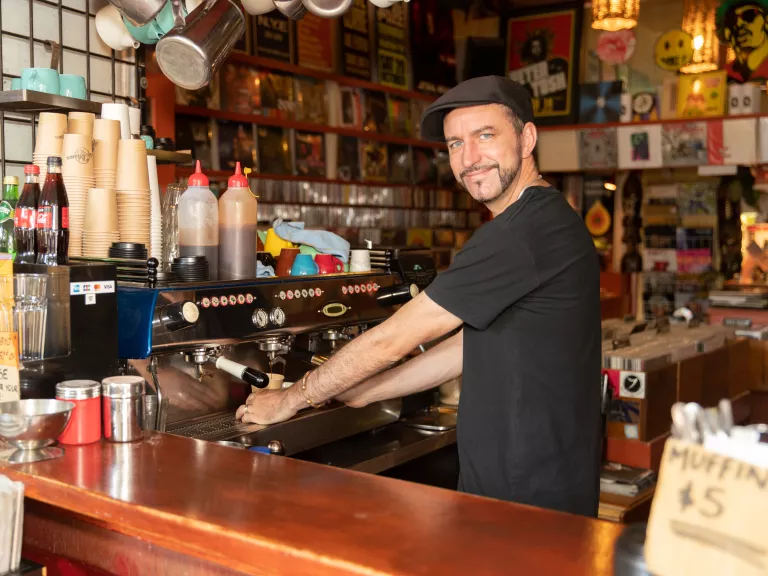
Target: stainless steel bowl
<point x="33" y="424"/>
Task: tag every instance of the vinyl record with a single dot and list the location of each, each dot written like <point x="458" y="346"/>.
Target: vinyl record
<point x="600" y="102"/>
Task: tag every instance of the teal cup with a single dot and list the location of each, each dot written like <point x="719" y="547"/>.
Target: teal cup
<point x="156" y="28"/>
<point x="40" y="80"/>
<point x="72" y="86"/>
<point x="304" y="265"/>
<point x="16" y="84"/>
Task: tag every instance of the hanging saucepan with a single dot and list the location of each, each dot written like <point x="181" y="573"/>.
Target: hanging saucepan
<point x="294" y="9"/>
<point x="191" y="56"/>
<point x="328" y="8"/>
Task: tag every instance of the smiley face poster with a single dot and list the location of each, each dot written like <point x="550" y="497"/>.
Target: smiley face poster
<point x="543" y="54"/>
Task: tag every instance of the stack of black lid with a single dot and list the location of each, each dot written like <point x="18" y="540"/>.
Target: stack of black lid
<point x="128" y="250"/>
<point x="191" y="269"/>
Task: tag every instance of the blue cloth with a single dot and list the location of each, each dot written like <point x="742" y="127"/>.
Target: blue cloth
<point x="321" y="240"/>
<point x="264" y="271"/>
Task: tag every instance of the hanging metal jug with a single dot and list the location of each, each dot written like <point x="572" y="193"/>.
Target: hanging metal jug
<point x="190" y="56"/>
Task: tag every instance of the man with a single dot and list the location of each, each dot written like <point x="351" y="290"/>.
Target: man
<point x="742" y="25"/>
<point x="526" y="290"/>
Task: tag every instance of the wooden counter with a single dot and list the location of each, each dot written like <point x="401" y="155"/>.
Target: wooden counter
<point x="173" y="505"/>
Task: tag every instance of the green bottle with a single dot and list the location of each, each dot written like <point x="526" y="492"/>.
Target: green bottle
<point x="7" y="212"/>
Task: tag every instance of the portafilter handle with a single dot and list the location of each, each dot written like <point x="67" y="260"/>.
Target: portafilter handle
<point x="247" y="375"/>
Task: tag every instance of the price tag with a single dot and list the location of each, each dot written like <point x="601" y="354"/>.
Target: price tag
<point x="709" y="515"/>
<point x="9" y="366"/>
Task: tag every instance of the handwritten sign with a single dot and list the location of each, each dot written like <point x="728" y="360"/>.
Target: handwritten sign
<point x="9" y="366"/>
<point x="709" y="515"/>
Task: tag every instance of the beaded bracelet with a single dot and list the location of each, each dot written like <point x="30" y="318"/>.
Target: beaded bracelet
<point x="305" y="394"/>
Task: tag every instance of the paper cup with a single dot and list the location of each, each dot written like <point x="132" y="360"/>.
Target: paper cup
<point x="132" y="171"/>
<point x="101" y="211"/>
<point x="114" y="111"/>
<point x="77" y="157"/>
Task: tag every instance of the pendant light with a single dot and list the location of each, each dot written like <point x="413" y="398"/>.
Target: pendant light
<point x="699" y="22"/>
<point x="612" y="15"/>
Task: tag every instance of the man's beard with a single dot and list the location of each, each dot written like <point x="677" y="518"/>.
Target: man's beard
<point x="506" y="178"/>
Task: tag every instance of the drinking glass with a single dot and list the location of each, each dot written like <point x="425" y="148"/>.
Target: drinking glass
<point x="31" y="308"/>
<point x="6" y="303"/>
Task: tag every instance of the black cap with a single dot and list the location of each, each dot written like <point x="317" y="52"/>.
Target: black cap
<point x="476" y="92"/>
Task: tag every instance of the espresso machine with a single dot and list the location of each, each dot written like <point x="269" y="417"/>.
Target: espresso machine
<point x="240" y="330"/>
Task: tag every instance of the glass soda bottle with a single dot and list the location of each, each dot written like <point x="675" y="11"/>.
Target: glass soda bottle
<point x="53" y="218"/>
<point x="25" y="219"/>
<point x="7" y="210"/>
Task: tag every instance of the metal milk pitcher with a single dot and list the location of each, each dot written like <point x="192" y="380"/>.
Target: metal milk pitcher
<point x="190" y="56"/>
<point x="139" y="12"/>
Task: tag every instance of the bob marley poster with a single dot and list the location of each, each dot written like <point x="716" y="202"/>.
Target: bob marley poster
<point x="543" y="56"/>
<point x="742" y="25"/>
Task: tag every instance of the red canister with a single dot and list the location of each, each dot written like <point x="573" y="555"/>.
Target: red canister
<point x="85" y="423"/>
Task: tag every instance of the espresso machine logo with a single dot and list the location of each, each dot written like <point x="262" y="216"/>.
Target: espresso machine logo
<point x="81" y="155"/>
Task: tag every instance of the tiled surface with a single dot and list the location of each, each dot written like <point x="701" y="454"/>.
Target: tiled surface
<point x="75" y="30"/>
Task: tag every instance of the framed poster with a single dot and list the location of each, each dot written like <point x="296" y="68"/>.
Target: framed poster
<point x="315" y="42"/>
<point x="392" y="45"/>
<point x="433" y="47"/>
<point x="543" y="55"/>
<point x="274" y="36"/>
<point x="356" y="41"/>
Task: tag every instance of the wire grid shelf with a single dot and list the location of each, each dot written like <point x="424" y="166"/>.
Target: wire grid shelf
<point x="30" y="118"/>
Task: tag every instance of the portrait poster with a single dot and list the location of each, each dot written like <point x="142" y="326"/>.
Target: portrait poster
<point x="743" y="27"/>
<point x="543" y="55"/>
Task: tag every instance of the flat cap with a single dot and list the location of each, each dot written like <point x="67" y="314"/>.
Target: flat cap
<point x="476" y="92"/>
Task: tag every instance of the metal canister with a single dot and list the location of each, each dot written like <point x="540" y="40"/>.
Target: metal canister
<point x="122" y="406"/>
<point x="84" y="425"/>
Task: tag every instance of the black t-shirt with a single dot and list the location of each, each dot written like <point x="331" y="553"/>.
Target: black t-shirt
<point x="527" y="286"/>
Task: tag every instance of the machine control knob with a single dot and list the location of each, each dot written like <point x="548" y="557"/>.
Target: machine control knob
<point x="260" y="318"/>
<point x="276" y="447"/>
<point x="179" y="315"/>
<point x="277" y="316"/>
<point x="398" y="294"/>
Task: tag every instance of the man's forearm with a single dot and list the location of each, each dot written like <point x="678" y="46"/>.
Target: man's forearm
<point x="437" y="366"/>
<point x="419" y="321"/>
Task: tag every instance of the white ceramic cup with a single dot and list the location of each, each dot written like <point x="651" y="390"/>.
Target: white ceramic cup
<point x="256" y="7"/>
<point x="112" y="29"/>
<point x="360" y="261"/>
<point x="115" y="111"/>
<point x="386" y="3"/>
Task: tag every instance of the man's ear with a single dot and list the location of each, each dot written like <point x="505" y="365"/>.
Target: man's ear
<point x="530" y="136"/>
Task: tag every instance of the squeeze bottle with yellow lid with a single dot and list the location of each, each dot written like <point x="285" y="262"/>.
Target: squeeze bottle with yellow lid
<point x="237" y="229"/>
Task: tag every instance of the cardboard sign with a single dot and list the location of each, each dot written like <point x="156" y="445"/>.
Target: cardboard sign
<point x="708" y="516"/>
<point x="9" y="366"/>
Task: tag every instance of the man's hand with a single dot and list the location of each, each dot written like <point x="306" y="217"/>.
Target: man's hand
<point x="268" y="407"/>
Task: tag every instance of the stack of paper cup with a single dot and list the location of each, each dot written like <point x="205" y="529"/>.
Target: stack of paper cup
<point x="155" y="218"/>
<point x="100" y="227"/>
<point x="81" y="123"/>
<point x="106" y="135"/>
<point x="114" y="111"/>
<point x="133" y="198"/>
<point x="49" y="141"/>
<point x="77" y="172"/>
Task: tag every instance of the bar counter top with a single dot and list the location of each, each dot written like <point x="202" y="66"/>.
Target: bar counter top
<point x="244" y="512"/>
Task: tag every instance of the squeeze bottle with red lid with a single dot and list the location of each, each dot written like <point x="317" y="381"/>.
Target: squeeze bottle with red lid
<point x="237" y="230"/>
<point x="198" y="216"/>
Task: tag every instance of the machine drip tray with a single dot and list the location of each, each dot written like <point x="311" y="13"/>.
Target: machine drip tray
<point x="380" y="450"/>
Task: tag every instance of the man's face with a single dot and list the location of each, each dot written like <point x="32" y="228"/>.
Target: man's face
<point x="747" y="25"/>
<point x="484" y="149"/>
